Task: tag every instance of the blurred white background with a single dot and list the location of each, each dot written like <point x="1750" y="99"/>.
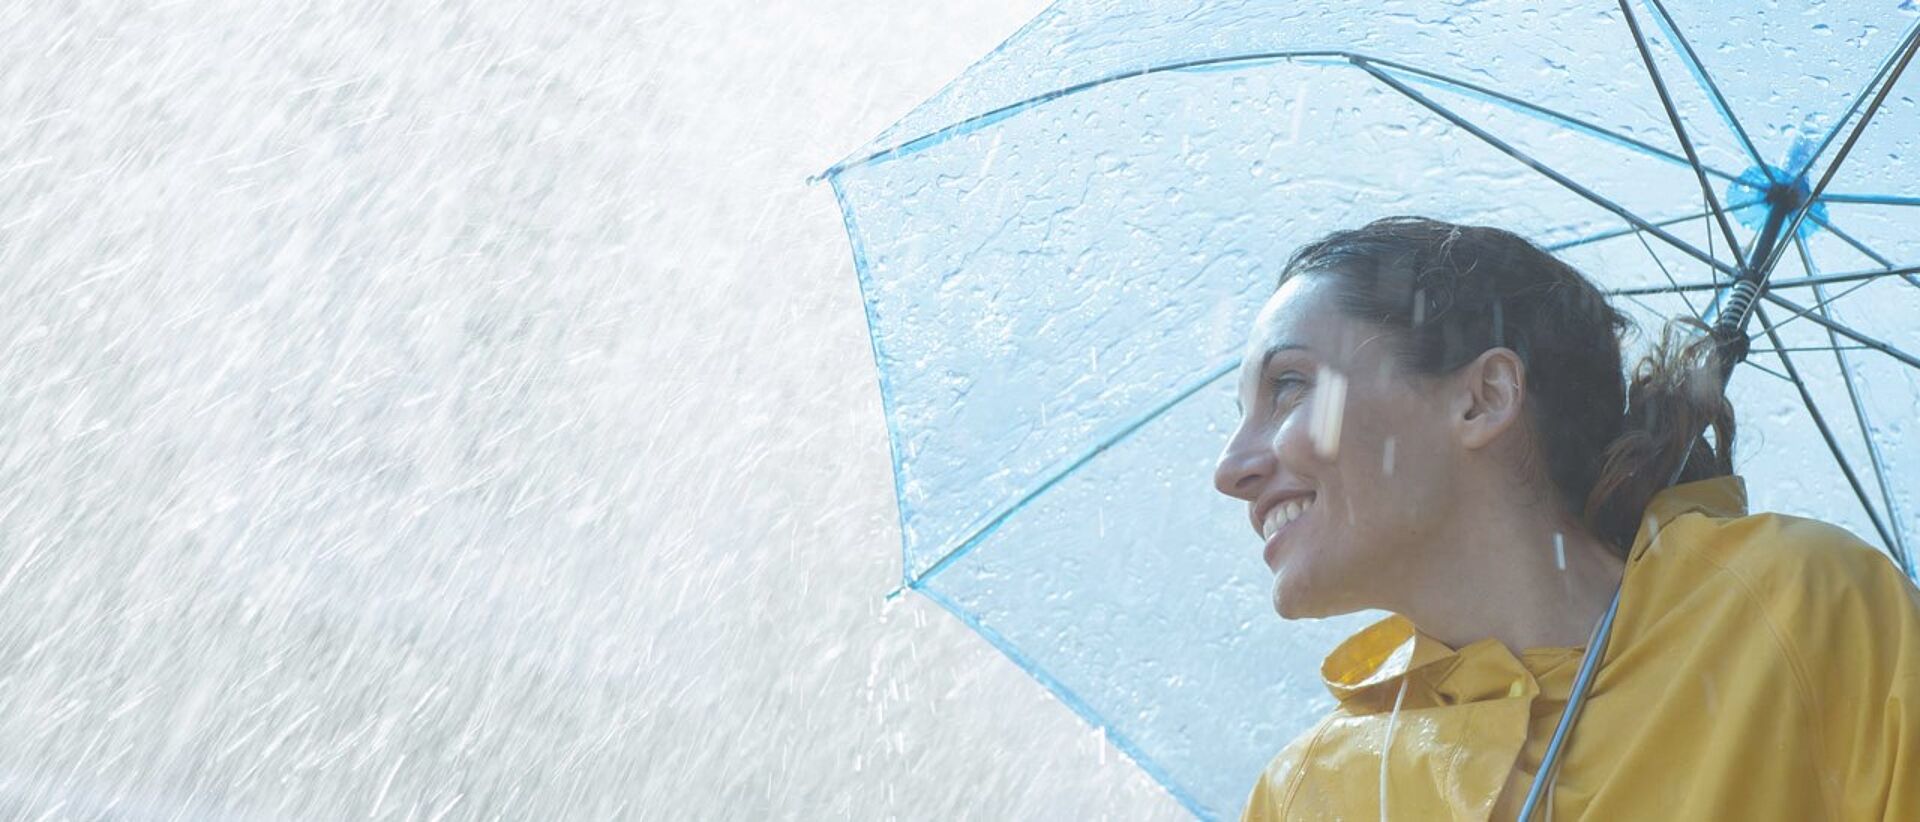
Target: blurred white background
<point x="464" y="411"/>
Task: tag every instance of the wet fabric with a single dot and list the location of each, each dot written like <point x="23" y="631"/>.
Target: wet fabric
<point x="1761" y="667"/>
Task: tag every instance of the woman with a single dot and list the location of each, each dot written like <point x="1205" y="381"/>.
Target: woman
<point x="1432" y="424"/>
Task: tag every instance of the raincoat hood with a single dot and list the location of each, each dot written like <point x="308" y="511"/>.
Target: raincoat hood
<point x="1708" y="673"/>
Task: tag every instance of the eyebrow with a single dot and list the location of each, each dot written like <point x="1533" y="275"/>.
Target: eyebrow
<point x="1266" y="359"/>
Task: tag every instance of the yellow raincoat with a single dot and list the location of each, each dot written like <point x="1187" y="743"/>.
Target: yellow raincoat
<point x="1761" y="667"/>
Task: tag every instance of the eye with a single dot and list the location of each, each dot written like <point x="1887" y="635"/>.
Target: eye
<point x="1285" y="381"/>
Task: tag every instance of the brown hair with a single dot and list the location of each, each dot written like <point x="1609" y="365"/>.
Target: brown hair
<point x="1451" y="292"/>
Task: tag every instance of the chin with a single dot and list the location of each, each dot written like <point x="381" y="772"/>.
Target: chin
<point x="1291" y="604"/>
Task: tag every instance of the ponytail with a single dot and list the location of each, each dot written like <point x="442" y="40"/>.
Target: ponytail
<point x="1676" y="395"/>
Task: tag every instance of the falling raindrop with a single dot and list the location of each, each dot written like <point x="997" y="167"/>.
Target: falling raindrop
<point x="1299" y="110"/>
<point x="1560" y="550"/>
<point x="1217" y="339"/>
<point x="1386" y="456"/>
<point x="1328" y="410"/>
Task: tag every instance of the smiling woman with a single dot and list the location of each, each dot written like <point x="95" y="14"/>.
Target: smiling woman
<point x="1434" y="422"/>
<point x="1411" y="376"/>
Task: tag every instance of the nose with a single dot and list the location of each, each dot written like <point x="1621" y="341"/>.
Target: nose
<point x="1243" y="467"/>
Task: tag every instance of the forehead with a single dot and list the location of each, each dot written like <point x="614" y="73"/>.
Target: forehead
<point x="1303" y="313"/>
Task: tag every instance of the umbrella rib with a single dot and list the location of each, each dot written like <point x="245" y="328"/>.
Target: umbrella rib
<point x="1525" y="159"/>
<point x="1894" y="57"/>
<point x="1863" y="248"/>
<point x="1072" y="698"/>
<point x="1817" y="305"/>
<point x="1806" y="348"/>
<point x="1872" y="199"/>
<point x="1699" y="70"/>
<point x="1643" y="304"/>
<point x="1839" y="327"/>
<point x="977" y="121"/>
<point x="1564" y="119"/>
<point x="1680" y="131"/>
<point x="1820" y="422"/>
<point x="973" y="537"/>
<point x="1765" y="370"/>
<point x="1355" y="59"/>
<point x="1622" y="232"/>
<point x="1669" y="275"/>
<point x="1824" y="279"/>
<point x="1898" y="545"/>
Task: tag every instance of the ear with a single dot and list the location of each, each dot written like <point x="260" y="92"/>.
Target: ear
<point x="1491" y="392"/>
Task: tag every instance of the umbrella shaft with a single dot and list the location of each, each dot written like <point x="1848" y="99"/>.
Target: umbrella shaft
<point x="1730" y="323"/>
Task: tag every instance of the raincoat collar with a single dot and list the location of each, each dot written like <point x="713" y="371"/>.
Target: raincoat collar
<point x="1365" y="671"/>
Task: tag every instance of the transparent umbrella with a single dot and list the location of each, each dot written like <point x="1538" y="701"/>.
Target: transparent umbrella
<point x="1060" y="252"/>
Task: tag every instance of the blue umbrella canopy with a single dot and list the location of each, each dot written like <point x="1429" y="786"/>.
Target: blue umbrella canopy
<point x="1060" y="254"/>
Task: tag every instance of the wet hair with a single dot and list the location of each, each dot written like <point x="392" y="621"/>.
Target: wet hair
<point x="1448" y="293"/>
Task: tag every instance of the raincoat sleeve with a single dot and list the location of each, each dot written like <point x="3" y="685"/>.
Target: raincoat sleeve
<point x="1268" y="802"/>
<point x="1852" y="626"/>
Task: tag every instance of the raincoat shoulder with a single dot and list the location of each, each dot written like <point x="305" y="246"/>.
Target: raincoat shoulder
<point x="1846" y="623"/>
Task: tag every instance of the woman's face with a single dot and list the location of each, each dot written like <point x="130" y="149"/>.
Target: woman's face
<point x="1354" y="454"/>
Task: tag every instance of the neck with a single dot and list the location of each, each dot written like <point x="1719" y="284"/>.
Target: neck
<point x="1508" y="581"/>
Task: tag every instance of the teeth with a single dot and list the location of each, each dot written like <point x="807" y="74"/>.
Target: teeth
<point x="1284" y="513"/>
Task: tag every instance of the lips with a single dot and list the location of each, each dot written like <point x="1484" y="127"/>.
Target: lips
<point x="1287" y="514"/>
<point x="1272" y="552"/>
<point x="1268" y="504"/>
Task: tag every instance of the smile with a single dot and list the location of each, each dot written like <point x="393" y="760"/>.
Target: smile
<point x="1277" y="523"/>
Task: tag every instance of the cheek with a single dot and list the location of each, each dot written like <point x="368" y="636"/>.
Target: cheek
<point x="1400" y="476"/>
<point x="1293" y="443"/>
<point x="1382" y="464"/>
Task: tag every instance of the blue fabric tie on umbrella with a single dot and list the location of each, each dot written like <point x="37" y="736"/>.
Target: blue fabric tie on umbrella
<point x="1061" y="252"/>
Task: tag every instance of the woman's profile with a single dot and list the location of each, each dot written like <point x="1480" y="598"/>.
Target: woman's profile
<point x="1436" y="422"/>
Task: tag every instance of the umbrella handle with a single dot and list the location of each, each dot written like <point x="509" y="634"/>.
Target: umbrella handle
<point x="1596" y="647"/>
